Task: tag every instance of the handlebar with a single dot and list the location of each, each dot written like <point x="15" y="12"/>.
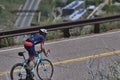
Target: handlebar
<point x="47" y="54"/>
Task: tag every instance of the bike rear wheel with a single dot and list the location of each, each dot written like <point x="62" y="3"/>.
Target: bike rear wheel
<point x="18" y="72"/>
<point x="45" y="69"/>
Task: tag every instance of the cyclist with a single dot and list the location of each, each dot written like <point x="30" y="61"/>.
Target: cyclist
<point x="30" y="43"/>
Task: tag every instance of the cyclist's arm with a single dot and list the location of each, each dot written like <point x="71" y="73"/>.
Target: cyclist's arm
<point x="43" y="48"/>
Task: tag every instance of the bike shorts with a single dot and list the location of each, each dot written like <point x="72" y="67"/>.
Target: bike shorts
<point x="31" y="50"/>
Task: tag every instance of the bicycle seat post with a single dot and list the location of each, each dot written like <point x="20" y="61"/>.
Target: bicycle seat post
<point x="21" y="54"/>
<point x="24" y="57"/>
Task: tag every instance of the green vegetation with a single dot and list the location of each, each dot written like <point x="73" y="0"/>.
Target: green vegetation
<point x="7" y="42"/>
<point x="109" y="26"/>
<point x="93" y="2"/>
<point x="7" y="18"/>
<point x="113" y="9"/>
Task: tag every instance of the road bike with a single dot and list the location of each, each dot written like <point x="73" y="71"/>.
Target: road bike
<point x="43" y="68"/>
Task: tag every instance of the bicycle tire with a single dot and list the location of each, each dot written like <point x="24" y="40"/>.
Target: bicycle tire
<point x="19" y="70"/>
<point x="43" y="67"/>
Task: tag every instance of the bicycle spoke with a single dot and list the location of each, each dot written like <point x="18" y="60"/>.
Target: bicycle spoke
<point x="18" y="72"/>
<point x="45" y="69"/>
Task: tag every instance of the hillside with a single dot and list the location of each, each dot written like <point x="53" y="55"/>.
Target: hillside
<point x="7" y="18"/>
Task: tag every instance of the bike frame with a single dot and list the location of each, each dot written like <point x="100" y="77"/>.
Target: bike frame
<point x="35" y="64"/>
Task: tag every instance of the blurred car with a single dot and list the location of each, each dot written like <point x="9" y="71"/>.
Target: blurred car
<point x="91" y="7"/>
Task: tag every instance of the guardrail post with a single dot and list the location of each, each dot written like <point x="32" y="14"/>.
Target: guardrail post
<point x="97" y="28"/>
<point x="66" y="32"/>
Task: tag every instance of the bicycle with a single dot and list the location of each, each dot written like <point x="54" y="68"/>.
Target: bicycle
<point x="21" y="71"/>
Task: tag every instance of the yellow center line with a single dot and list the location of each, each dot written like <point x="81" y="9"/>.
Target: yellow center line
<point x="87" y="57"/>
<point x="77" y="59"/>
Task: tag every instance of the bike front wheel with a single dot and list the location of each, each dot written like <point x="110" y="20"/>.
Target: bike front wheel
<point x="45" y="69"/>
<point x="18" y="72"/>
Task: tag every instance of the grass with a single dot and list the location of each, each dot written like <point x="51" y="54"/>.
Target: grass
<point x="6" y="17"/>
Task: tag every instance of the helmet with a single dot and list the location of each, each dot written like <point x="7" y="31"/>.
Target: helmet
<point x="43" y="32"/>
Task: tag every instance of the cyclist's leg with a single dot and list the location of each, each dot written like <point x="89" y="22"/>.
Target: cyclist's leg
<point x="32" y="57"/>
<point x="31" y="62"/>
<point x="32" y="52"/>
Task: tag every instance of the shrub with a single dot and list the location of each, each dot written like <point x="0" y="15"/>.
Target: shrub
<point x="7" y="42"/>
<point x="93" y="2"/>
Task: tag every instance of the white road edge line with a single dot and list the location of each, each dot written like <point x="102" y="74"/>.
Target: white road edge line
<point x="66" y="40"/>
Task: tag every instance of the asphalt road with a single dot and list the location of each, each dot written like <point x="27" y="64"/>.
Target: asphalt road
<point x="82" y="58"/>
<point x="25" y="18"/>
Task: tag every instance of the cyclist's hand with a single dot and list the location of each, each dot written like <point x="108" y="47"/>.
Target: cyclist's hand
<point x="46" y="54"/>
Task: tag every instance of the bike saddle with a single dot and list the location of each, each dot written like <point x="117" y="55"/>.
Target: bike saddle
<point x="21" y="53"/>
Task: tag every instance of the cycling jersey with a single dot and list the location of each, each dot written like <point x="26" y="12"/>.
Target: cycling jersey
<point x="30" y="43"/>
<point x="36" y="38"/>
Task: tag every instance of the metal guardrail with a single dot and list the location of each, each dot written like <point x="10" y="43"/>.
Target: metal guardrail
<point x="17" y="32"/>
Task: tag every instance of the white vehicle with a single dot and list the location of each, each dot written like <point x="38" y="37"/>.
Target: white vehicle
<point x="91" y="7"/>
